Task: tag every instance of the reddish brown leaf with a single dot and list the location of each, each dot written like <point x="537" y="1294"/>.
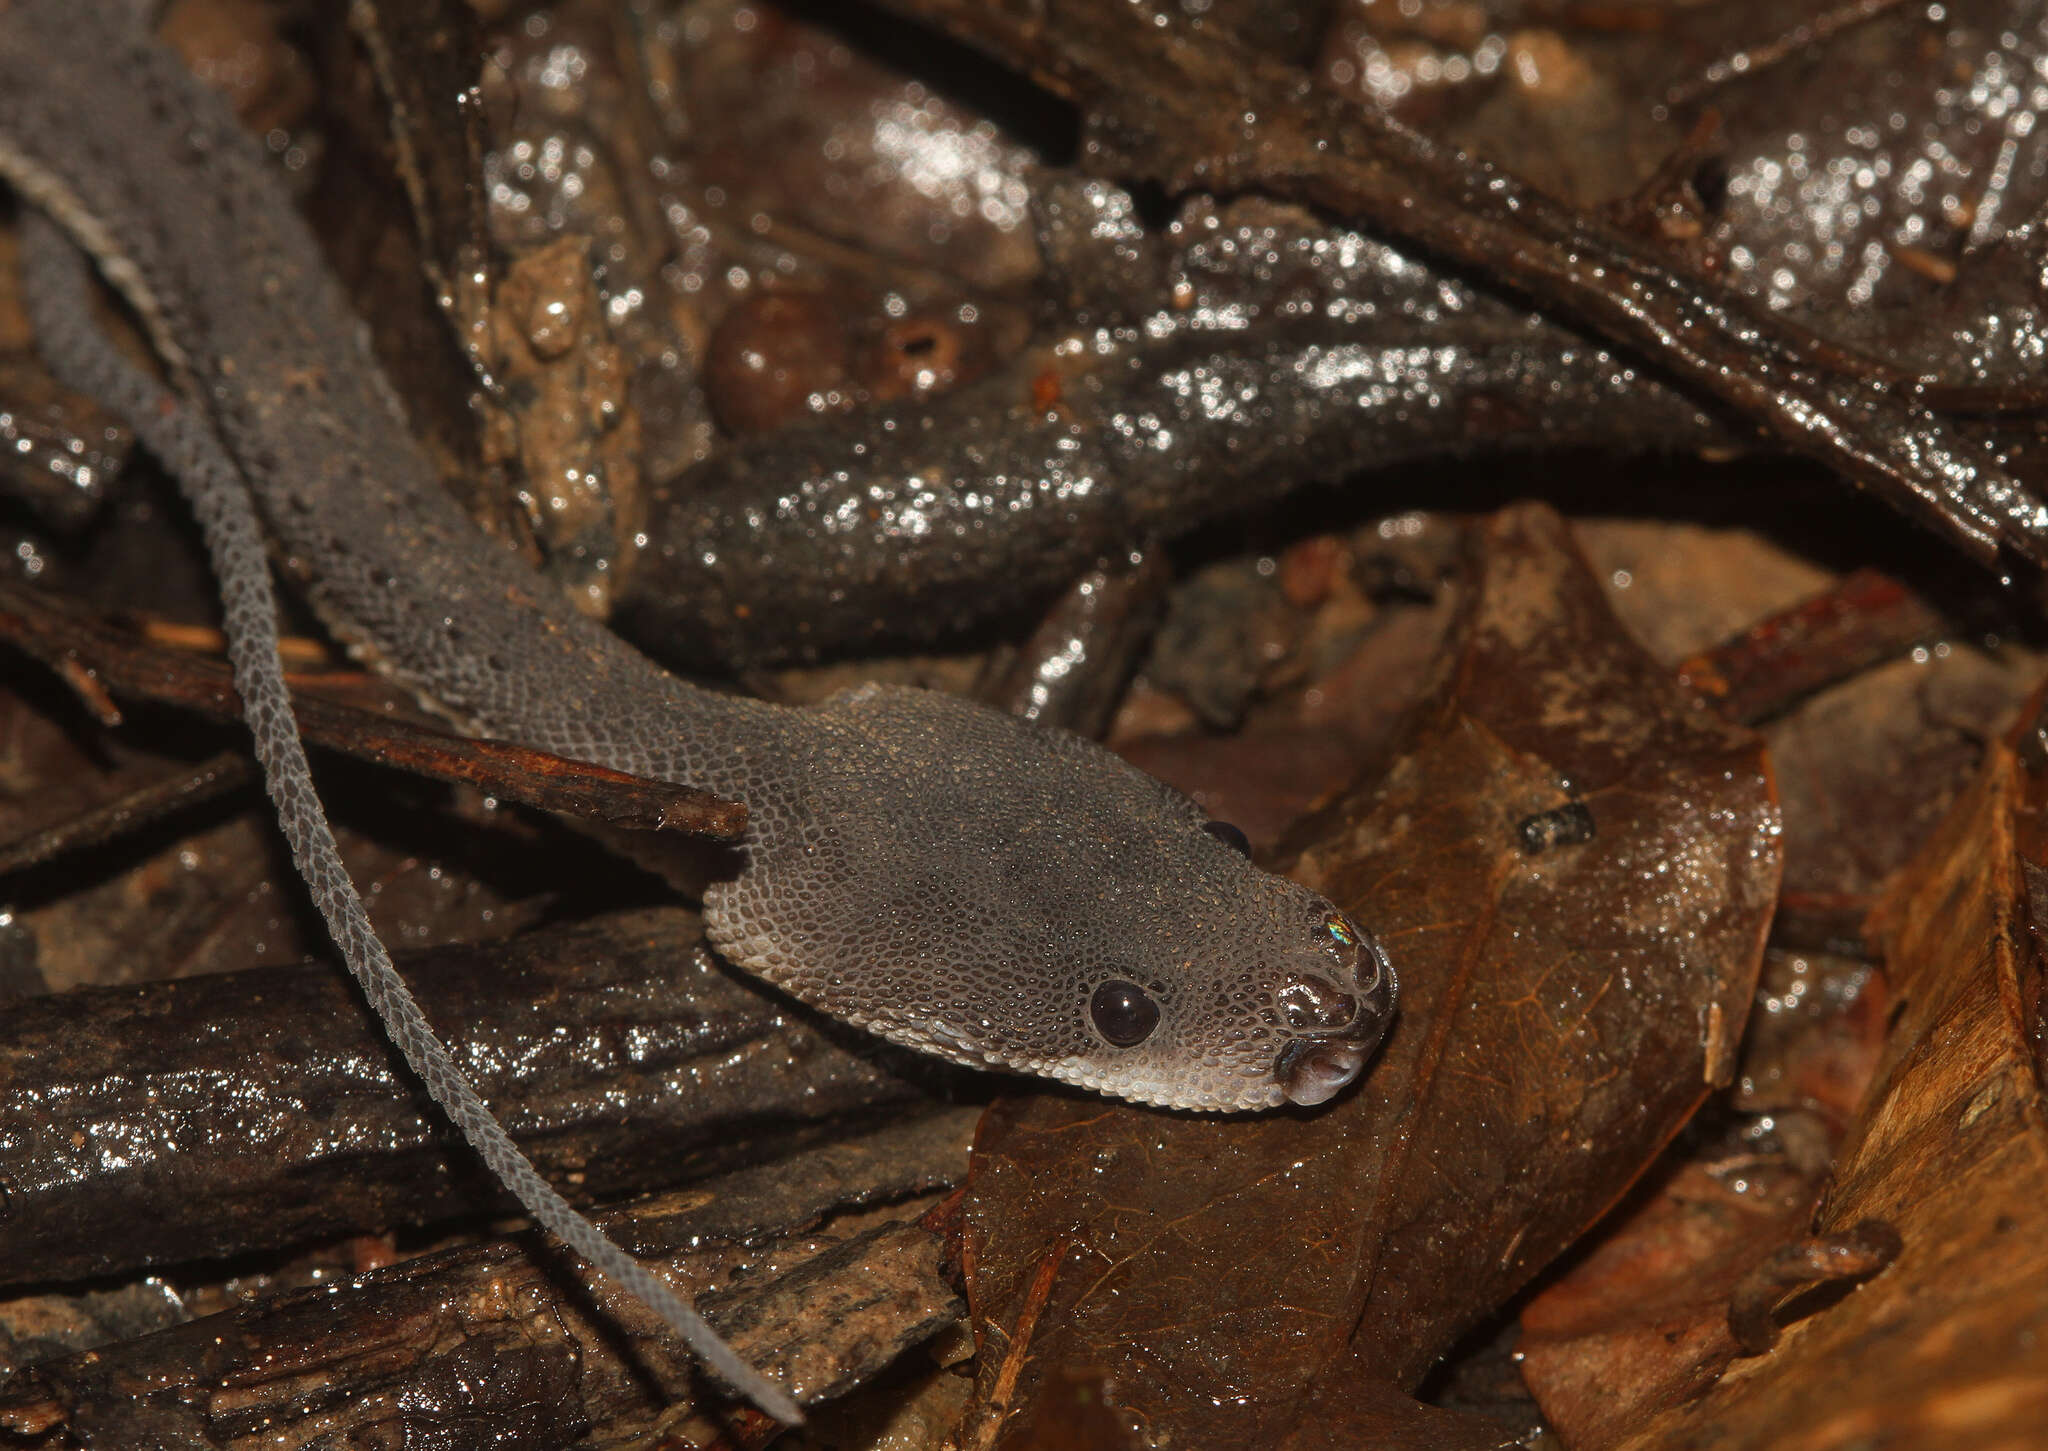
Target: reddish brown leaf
<point x="1949" y="1346"/>
<point x="1640" y="1322"/>
<point x="1567" y="1002"/>
<point x="1864" y="618"/>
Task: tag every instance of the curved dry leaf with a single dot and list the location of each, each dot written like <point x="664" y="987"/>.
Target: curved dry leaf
<point x="1640" y="1321"/>
<point x="1948" y="1347"/>
<point x="1568" y="999"/>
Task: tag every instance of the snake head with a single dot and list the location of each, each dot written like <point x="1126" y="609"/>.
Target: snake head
<point x="1006" y="895"/>
<point x="1336" y="1014"/>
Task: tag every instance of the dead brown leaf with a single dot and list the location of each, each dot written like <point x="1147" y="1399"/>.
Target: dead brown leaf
<point x="1949" y="1347"/>
<point x="1640" y="1321"/>
<point x="1572" y="865"/>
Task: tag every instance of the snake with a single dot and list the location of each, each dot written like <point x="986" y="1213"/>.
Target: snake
<point x="953" y="879"/>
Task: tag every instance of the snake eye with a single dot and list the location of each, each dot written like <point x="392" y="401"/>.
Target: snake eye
<point x="1229" y="835"/>
<point x="1123" y="1012"/>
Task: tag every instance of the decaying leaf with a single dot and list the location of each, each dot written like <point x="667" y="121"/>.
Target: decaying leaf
<point x="1572" y="866"/>
<point x="1640" y="1321"/>
<point x="1949" y="1346"/>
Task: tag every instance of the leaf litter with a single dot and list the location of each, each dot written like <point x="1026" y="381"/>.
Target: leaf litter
<point x="1551" y="842"/>
<point x="1564" y="1010"/>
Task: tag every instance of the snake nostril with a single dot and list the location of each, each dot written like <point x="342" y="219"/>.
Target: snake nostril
<point x="1313" y="1005"/>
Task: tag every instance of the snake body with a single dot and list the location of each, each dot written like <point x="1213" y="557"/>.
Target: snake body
<point x="987" y="890"/>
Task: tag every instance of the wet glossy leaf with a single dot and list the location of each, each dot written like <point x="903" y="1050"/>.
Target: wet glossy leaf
<point x="1945" y="1347"/>
<point x="1566" y="1004"/>
<point x="1640" y="1320"/>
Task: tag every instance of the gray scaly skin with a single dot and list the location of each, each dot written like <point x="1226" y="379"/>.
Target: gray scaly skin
<point x="968" y="885"/>
<point x="59" y="303"/>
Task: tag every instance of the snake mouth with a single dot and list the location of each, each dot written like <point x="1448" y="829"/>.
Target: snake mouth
<point x="1314" y="1068"/>
<point x="1313" y="1072"/>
